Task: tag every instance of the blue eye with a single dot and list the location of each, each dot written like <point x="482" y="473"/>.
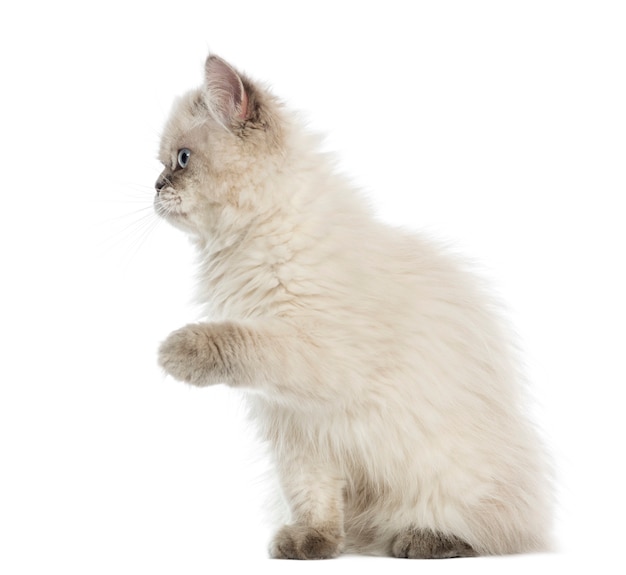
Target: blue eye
<point x="183" y="157"/>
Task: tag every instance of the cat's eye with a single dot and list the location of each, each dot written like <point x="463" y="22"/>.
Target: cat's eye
<point x="183" y="157"/>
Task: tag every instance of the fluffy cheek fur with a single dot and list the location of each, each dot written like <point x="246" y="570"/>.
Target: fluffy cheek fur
<point x="215" y="191"/>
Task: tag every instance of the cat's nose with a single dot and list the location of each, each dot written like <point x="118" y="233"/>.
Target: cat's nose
<point x="160" y="184"/>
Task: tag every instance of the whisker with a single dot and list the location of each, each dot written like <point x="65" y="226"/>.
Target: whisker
<point x="140" y="238"/>
<point x="143" y="211"/>
<point x="128" y="231"/>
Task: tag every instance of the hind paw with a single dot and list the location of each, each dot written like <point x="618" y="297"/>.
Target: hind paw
<point x="426" y="544"/>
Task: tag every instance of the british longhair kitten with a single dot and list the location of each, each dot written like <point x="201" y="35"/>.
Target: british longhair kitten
<point x="373" y="363"/>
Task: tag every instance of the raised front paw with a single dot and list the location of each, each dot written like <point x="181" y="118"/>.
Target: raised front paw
<point x="304" y="542"/>
<point x="192" y="355"/>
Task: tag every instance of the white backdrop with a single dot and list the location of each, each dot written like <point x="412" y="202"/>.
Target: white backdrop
<point x="499" y="126"/>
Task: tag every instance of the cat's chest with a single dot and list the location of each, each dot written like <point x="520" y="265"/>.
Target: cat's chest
<point x="241" y="288"/>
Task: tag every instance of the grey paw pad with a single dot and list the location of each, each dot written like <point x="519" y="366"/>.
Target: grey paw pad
<point x="296" y="542"/>
<point x="427" y="544"/>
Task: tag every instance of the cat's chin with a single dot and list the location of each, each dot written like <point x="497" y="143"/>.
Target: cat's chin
<point x="169" y="211"/>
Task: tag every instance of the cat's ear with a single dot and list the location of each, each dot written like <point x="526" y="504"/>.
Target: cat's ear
<point x="225" y="93"/>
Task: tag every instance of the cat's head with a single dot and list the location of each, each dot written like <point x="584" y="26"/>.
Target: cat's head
<point x="222" y="142"/>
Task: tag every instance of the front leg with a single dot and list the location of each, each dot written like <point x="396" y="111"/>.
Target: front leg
<point x="272" y="355"/>
<point x="315" y="498"/>
<point x="200" y="354"/>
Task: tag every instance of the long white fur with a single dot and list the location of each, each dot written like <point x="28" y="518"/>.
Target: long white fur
<point x="393" y="396"/>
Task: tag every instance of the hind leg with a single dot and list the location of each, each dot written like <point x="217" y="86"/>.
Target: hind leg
<point x="414" y="543"/>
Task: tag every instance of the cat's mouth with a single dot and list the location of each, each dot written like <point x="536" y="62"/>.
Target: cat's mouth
<point x="167" y="204"/>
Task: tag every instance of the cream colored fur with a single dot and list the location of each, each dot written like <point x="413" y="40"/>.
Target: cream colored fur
<point x="375" y="366"/>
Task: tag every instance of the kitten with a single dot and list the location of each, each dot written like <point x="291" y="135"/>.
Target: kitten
<point x="373" y="363"/>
